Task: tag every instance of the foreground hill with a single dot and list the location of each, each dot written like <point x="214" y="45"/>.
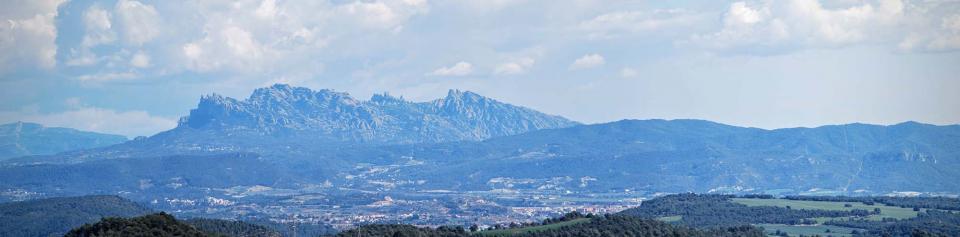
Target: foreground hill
<point x="159" y="224"/>
<point x="56" y="216"/>
<point x="24" y="139"/>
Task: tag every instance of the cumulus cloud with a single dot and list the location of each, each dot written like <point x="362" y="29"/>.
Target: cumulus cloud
<point x="88" y="118"/>
<point x="944" y="37"/>
<point x="767" y="27"/>
<point x="98" y="26"/>
<point x="267" y="9"/>
<point x="28" y="34"/>
<point x="268" y="35"/>
<point x="141" y="22"/>
<point x="232" y="46"/>
<point x="512" y="68"/>
<point x="459" y="69"/>
<point x="588" y="61"/>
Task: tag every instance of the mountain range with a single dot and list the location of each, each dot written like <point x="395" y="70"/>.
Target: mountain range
<point x="282" y="111"/>
<point x="296" y="138"/>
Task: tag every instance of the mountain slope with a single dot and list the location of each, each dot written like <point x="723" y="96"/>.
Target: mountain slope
<point x="24" y="139"/>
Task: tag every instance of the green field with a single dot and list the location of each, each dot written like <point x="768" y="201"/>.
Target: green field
<point x="509" y="232"/>
<point x="885" y="211"/>
<point x="808" y="230"/>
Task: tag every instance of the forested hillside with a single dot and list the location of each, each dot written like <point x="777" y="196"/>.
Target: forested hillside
<point x="55" y="216"/>
<point x="603" y="225"/>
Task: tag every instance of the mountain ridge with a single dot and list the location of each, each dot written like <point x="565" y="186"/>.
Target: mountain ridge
<point x="24" y="139"/>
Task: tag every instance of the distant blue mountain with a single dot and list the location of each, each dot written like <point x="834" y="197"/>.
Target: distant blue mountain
<point x="702" y="156"/>
<point x="24" y="139"/>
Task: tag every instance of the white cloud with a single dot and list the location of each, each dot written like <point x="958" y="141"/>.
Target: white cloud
<point x="287" y="37"/>
<point x="460" y="69"/>
<point x="28" y="34"/>
<point x="87" y="118"/>
<point x="382" y="14"/>
<point x="628" y="72"/>
<point x="944" y="37"/>
<point x="140" y="60"/>
<point x="267" y="9"/>
<point x="231" y="46"/>
<point x="512" y="68"/>
<point x="771" y="27"/>
<point x="588" y="61"/>
<point x="96" y="20"/>
<point x="82" y="57"/>
<point x="617" y="23"/>
<point x="141" y="22"/>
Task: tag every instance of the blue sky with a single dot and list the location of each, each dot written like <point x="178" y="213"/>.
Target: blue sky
<point x="135" y="67"/>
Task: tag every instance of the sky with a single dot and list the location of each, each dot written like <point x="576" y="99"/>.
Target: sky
<point x="135" y="67"/>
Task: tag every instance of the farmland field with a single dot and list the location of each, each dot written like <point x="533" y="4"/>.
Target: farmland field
<point x="885" y="211"/>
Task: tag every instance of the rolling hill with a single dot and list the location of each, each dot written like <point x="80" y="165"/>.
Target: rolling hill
<point x="25" y="139"/>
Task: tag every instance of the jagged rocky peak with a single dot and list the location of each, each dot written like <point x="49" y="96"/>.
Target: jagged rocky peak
<point x="458" y="96"/>
<point x="459" y="102"/>
<point x="283" y="109"/>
